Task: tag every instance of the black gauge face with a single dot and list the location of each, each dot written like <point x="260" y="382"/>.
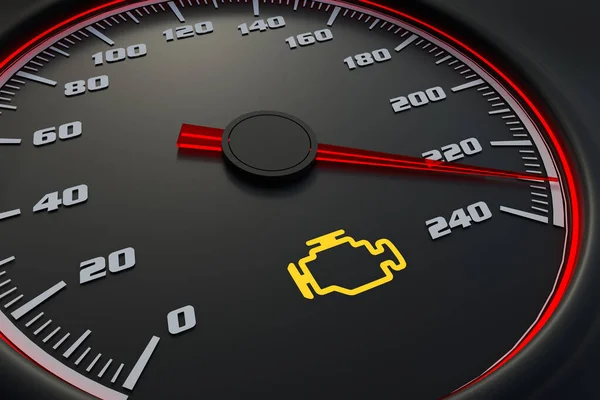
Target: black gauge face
<point x="289" y="199"/>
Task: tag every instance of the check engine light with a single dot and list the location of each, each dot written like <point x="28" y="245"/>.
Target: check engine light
<point x="304" y="279"/>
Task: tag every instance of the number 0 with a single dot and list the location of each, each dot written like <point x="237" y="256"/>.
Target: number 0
<point x="188" y="320"/>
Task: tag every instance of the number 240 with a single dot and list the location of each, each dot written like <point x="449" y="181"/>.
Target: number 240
<point x="477" y="212"/>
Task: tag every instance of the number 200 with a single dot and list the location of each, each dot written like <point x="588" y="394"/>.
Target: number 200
<point x="417" y="99"/>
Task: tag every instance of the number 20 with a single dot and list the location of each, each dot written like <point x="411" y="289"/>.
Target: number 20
<point x="118" y="261"/>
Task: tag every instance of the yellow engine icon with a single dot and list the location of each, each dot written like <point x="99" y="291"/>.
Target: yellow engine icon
<point x="304" y="278"/>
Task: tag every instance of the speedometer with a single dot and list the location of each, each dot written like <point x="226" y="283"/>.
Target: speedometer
<point x="281" y="199"/>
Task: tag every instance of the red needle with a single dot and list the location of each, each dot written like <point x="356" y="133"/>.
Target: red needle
<point x="347" y="155"/>
<point x="200" y="138"/>
<point x="209" y="139"/>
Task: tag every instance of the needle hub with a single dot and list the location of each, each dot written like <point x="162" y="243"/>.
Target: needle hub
<point x="269" y="144"/>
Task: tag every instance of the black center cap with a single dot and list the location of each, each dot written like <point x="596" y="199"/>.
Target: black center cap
<point x="269" y="144"/>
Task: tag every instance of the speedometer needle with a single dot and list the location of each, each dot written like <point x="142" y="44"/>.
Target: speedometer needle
<point x="194" y="137"/>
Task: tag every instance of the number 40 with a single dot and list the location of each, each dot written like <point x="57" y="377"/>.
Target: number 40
<point x="70" y="197"/>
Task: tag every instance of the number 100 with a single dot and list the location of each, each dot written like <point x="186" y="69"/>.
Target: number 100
<point x="116" y="55"/>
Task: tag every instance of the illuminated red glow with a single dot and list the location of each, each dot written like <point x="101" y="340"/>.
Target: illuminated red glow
<point x="19" y="52"/>
<point x="576" y="217"/>
<point x="576" y="213"/>
<point x="199" y="147"/>
<point x="5" y="339"/>
<point x="196" y="137"/>
<point x="346" y="155"/>
<point x="197" y="131"/>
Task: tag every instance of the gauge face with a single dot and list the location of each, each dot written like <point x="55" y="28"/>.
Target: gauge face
<point x="293" y="199"/>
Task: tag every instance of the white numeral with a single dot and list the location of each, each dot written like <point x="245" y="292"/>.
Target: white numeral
<point x="308" y="38"/>
<point x="65" y="132"/>
<point x="75" y="195"/>
<point x="70" y="197"/>
<point x="92" y="269"/>
<point x="365" y="59"/>
<point x="188" y="320"/>
<point x="477" y="212"/>
<point x="417" y="99"/>
<point x="455" y="151"/>
<point x="188" y="31"/>
<point x="93" y="84"/>
<point x="118" y="261"/>
<point x="114" y="260"/>
<point x="116" y="55"/>
<point x="260" y="25"/>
